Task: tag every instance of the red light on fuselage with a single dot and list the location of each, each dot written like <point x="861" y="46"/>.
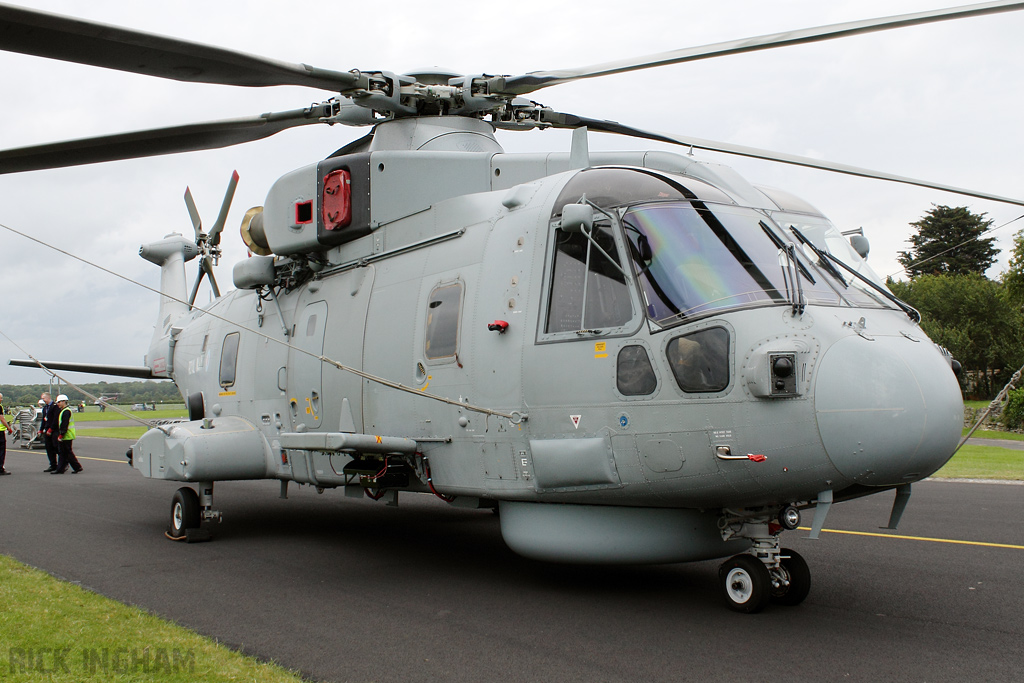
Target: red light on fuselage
<point x="336" y="202"/>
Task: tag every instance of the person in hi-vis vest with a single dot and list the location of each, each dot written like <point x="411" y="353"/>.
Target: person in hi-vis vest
<point x="4" y="428"/>
<point x="65" y="438"/>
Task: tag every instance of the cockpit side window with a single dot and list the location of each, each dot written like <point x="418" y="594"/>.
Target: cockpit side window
<point x="588" y="286"/>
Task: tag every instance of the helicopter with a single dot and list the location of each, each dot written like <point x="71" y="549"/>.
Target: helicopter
<point x="633" y="357"/>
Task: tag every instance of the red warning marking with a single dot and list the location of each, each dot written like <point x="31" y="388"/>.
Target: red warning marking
<point x="575" y="420"/>
<point x="756" y="457"/>
<point x="380" y="441"/>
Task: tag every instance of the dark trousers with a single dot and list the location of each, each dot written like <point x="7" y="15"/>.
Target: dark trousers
<point x="67" y="456"/>
<point x="50" y="441"/>
<point x="3" y="448"/>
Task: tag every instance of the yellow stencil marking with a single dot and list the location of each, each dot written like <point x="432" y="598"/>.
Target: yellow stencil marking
<point x="227" y="393"/>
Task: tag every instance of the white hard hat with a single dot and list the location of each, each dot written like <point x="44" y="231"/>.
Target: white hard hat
<point x="62" y="397"/>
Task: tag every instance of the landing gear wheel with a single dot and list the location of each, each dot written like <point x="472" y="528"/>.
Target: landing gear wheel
<point x="746" y="583"/>
<point x="184" y="512"/>
<point x="795" y="570"/>
<point x="789" y="518"/>
<point x="196" y="406"/>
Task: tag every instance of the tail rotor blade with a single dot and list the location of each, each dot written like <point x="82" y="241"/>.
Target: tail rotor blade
<point x="223" y="215"/>
<point x="193" y="212"/>
<point x="195" y="287"/>
<point x="206" y="265"/>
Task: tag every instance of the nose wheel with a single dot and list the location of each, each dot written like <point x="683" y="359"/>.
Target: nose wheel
<point x="745" y="583"/>
<point x="767" y="572"/>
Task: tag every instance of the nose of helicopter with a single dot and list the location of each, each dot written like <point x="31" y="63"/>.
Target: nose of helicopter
<point x="889" y="410"/>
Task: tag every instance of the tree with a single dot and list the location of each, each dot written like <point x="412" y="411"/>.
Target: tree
<point x="1013" y="279"/>
<point x="973" y="317"/>
<point x="949" y="241"/>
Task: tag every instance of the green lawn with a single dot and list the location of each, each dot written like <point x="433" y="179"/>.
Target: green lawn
<point x="994" y="434"/>
<point x="54" y="631"/>
<point x="984" y="462"/>
<point x="132" y="433"/>
<point x="111" y="415"/>
<point x="976" y="404"/>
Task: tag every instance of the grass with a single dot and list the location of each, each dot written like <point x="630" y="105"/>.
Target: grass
<point x="51" y="630"/>
<point x="110" y="415"/>
<point x="115" y="432"/>
<point x="993" y="434"/>
<point x="984" y="462"/>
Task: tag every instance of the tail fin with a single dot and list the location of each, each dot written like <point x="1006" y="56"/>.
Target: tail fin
<point x="170" y="254"/>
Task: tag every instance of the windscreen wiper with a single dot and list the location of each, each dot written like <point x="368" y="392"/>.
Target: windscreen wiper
<point x="822" y="256"/>
<point x="779" y="244"/>
<point x="911" y="312"/>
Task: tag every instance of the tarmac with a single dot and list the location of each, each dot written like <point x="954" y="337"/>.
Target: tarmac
<point x="353" y="590"/>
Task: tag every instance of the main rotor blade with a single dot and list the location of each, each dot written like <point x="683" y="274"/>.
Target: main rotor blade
<point x="573" y="121"/>
<point x="93" y="368"/>
<point x="531" y="82"/>
<point x="147" y="143"/>
<point x="85" y="42"/>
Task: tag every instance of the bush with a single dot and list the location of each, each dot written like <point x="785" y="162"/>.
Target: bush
<point x="1013" y="413"/>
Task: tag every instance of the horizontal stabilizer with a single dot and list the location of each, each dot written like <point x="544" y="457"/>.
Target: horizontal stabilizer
<point x="93" y="368"/>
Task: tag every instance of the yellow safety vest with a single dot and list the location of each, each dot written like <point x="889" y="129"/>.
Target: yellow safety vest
<point x="70" y="434"/>
<point x="2" y="428"/>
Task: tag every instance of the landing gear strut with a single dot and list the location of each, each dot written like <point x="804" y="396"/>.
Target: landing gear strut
<point x="767" y="572"/>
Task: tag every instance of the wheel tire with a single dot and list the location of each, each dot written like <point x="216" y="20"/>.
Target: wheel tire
<point x="789" y="518"/>
<point x="796" y="570"/>
<point x="196" y="406"/>
<point x="184" y="512"/>
<point x="746" y="584"/>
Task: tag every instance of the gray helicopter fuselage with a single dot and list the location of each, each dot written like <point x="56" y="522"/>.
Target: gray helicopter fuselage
<point x="479" y="294"/>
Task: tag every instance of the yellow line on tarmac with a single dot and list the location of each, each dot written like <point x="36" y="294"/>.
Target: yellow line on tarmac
<point x="80" y="457"/>
<point x="918" y="538"/>
<point x="123" y="461"/>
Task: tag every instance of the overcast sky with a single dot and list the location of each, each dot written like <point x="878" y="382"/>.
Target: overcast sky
<point x="940" y="102"/>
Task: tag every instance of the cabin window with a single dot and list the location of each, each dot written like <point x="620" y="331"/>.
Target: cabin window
<point x="588" y="286"/>
<point x="444" y="310"/>
<point x="229" y="359"/>
<point x="634" y="374"/>
<point x="700" y="361"/>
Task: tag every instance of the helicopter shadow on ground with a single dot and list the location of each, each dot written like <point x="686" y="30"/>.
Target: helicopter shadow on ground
<point x="459" y="544"/>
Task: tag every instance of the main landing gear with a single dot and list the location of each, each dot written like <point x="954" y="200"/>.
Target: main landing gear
<point x="188" y="510"/>
<point x="767" y="572"/>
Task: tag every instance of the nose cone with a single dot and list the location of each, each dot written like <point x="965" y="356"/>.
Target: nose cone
<point x="889" y="411"/>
